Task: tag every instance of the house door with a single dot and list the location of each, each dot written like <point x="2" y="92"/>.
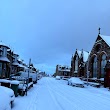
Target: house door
<point x="107" y="78"/>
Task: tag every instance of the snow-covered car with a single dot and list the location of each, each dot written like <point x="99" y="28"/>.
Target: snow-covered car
<point x="58" y="77"/>
<point x="39" y="76"/>
<point x="34" y="77"/>
<point x="75" y="81"/>
<point x="10" y="93"/>
<point x="25" y="74"/>
<point x="5" y="101"/>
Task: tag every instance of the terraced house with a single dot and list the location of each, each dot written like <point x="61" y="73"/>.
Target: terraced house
<point x="62" y="70"/>
<point x="10" y="63"/>
<point x="4" y="61"/>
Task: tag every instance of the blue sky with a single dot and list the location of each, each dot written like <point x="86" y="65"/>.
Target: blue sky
<point x="49" y="31"/>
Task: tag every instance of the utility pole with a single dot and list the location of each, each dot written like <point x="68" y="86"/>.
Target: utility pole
<point x="28" y="76"/>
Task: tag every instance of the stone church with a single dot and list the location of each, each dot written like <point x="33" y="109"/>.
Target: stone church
<point x="97" y="61"/>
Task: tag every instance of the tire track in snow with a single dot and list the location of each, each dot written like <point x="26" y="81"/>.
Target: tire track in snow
<point x="59" y="89"/>
<point x="73" y="106"/>
<point x="32" y="103"/>
<point x="92" y="99"/>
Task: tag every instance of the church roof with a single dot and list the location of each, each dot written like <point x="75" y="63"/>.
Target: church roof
<point x="85" y="55"/>
<point x="79" y="52"/>
<point x="105" y="38"/>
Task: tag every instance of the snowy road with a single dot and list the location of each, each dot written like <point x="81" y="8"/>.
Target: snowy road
<point x="51" y="94"/>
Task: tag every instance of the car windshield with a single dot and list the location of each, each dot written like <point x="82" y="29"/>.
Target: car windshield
<point x="18" y="74"/>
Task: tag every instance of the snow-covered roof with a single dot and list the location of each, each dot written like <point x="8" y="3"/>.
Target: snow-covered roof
<point x="66" y="70"/>
<point x="8" y="49"/>
<point x="105" y="38"/>
<point x="16" y="54"/>
<point x="20" y="60"/>
<point x="20" y="65"/>
<point x="4" y="45"/>
<point x="85" y="55"/>
<point x="5" y="59"/>
<point x="15" y="63"/>
<point x="79" y="52"/>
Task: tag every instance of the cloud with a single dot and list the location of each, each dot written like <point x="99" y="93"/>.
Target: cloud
<point x="49" y="31"/>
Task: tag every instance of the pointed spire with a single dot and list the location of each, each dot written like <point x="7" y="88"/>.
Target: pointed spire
<point x="82" y="52"/>
<point x="99" y="30"/>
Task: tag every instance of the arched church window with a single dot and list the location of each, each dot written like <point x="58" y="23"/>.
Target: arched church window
<point x="98" y="47"/>
<point x="103" y="63"/>
<point x="76" y="64"/>
<point x="95" y="67"/>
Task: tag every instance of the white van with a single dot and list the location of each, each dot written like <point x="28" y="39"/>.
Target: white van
<point x="25" y="74"/>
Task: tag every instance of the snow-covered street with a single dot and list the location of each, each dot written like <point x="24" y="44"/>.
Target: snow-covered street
<point x="52" y="94"/>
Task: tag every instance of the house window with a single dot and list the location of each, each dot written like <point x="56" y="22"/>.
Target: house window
<point x="95" y="67"/>
<point x="76" y="64"/>
<point x="103" y="63"/>
<point x="4" y="52"/>
<point x="1" y="53"/>
<point x="0" y="69"/>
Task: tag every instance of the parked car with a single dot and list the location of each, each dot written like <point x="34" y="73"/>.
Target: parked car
<point x="25" y="74"/>
<point x="75" y="81"/>
<point x="10" y="93"/>
<point x="58" y="77"/>
<point x="39" y="76"/>
<point x="5" y="100"/>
